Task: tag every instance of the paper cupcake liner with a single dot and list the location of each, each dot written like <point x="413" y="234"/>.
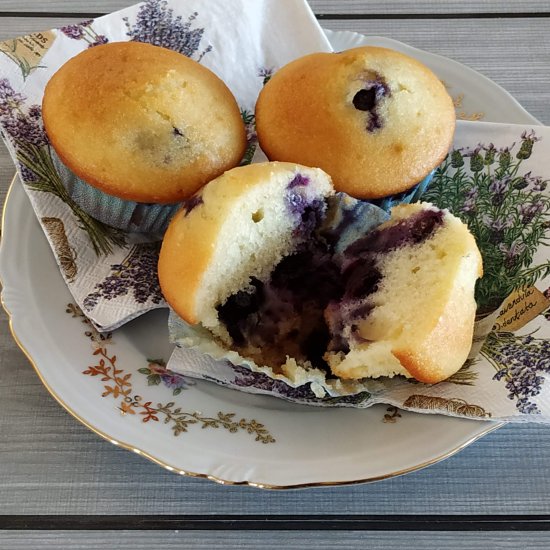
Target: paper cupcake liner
<point x="410" y="195"/>
<point x="130" y="216"/>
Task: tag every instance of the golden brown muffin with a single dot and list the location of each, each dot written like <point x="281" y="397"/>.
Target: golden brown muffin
<point x="142" y="123"/>
<point x="376" y="120"/>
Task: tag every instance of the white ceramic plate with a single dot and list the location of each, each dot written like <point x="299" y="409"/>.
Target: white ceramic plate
<point x="203" y="429"/>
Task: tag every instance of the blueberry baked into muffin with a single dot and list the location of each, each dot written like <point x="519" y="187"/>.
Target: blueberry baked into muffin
<point x="139" y="123"/>
<point x="376" y="120"/>
<point x="285" y="272"/>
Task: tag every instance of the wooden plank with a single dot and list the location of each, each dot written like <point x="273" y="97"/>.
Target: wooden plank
<point x="11" y="27"/>
<point x="318" y="6"/>
<point x="271" y="540"/>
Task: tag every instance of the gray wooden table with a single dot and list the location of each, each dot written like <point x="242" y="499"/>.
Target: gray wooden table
<point x="61" y="486"/>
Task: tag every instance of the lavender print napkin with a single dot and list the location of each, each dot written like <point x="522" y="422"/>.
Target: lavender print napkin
<point x="496" y="179"/>
<point x="113" y="278"/>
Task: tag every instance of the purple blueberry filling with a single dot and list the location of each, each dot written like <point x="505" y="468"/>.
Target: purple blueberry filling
<point x="284" y="315"/>
<point x="190" y="204"/>
<point x="298" y="180"/>
<point x="312" y="295"/>
<point x="412" y="230"/>
<point x="369" y="98"/>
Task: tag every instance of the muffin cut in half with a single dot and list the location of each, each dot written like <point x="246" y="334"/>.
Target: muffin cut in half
<point x="408" y="302"/>
<point x="263" y="259"/>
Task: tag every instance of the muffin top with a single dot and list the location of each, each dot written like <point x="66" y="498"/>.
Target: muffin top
<point x="376" y="120"/>
<point x="142" y="122"/>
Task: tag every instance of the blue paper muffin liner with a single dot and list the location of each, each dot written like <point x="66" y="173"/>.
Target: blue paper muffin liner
<point x="410" y="195"/>
<point x="130" y="216"/>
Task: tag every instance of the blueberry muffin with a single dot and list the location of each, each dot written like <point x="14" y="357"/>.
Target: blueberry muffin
<point x="295" y="278"/>
<point x="142" y="123"/>
<point x="407" y="305"/>
<point x="376" y="120"/>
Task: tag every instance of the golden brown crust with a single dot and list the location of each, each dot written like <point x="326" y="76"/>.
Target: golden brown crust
<point x="141" y="122"/>
<point x="451" y="339"/>
<point x="305" y="114"/>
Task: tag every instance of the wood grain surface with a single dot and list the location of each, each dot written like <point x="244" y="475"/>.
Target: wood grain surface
<point x="50" y="464"/>
<point x="347" y="7"/>
<point x="271" y="540"/>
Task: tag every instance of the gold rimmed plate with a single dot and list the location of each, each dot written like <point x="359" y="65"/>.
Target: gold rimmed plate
<point x="118" y="388"/>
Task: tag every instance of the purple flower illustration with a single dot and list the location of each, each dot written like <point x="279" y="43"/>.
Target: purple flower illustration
<point x="490" y="153"/>
<point x="523" y="363"/>
<point x="266" y="73"/>
<point x="528" y="139"/>
<point x="512" y="252"/>
<point x="156" y="24"/>
<point x="251" y="137"/>
<point x="157" y="372"/>
<point x="136" y="274"/>
<point x="497" y="188"/>
<point x="76" y="32"/>
<point x="10" y="100"/>
<point x="497" y="226"/>
<point x="245" y="378"/>
<point x="23" y="127"/>
<point x="18" y="125"/>
<point x="506" y="210"/>
<point x="84" y="31"/>
<point x="100" y="39"/>
<point x="529" y="211"/>
<point x="457" y="160"/>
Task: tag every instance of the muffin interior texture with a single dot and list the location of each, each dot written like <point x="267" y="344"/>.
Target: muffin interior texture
<point x="349" y="311"/>
<point x="319" y="298"/>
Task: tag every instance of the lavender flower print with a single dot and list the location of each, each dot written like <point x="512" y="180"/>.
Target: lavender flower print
<point x="476" y="159"/>
<point x="266" y="73"/>
<point x="528" y="139"/>
<point x="84" y="31"/>
<point x="156" y="24"/>
<point x="523" y="364"/>
<point x="250" y="121"/>
<point x="245" y="378"/>
<point x="251" y="137"/>
<point x="21" y="127"/>
<point x="512" y="252"/>
<point x="529" y="211"/>
<point x="497" y="188"/>
<point x="137" y="274"/>
<point x="507" y="211"/>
